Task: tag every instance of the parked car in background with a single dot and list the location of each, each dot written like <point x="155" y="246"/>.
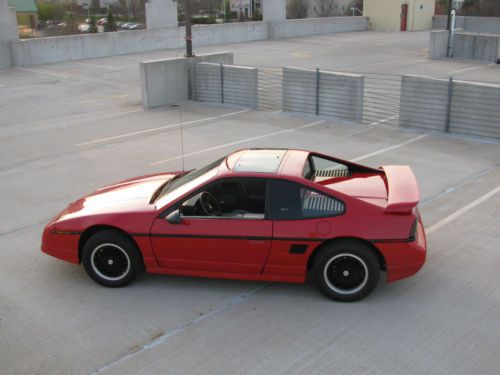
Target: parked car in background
<point x="137" y="26"/>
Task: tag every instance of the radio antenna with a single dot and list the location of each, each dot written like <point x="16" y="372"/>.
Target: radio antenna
<point x="182" y="134"/>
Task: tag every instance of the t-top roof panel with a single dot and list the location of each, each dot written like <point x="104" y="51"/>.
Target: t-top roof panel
<point x="260" y="161"/>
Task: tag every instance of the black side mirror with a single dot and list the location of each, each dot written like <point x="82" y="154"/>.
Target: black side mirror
<point x="174" y="217"/>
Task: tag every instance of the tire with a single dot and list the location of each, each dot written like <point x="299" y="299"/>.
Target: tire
<point x="347" y="270"/>
<point x="111" y="259"/>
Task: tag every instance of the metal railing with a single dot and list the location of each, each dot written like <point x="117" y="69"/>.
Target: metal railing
<point x="429" y="104"/>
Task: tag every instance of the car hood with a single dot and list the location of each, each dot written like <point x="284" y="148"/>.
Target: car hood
<point x="126" y="196"/>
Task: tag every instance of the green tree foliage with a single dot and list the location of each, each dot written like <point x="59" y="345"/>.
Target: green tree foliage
<point x="297" y="9"/>
<point x="110" y="24"/>
<point x="257" y="15"/>
<point x="93" y="21"/>
<point x="51" y="11"/>
<point x="227" y="11"/>
<point x="326" y="8"/>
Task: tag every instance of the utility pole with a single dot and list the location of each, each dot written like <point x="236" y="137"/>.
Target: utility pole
<point x="450" y="7"/>
<point x="188" y="37"/>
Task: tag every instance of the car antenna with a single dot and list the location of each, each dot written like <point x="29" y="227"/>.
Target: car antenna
<point x="182" y="133"/>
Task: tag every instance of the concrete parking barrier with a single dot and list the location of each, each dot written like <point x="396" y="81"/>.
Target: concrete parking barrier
<point x="332" y="94"/>
<point x="423" y="103"/>
<point x="167" y="81"/>
<point x="229" y="84"/>
<point x="457" y="107"/>
<point x="438" y="45"/>
<point x="476" y="46"/>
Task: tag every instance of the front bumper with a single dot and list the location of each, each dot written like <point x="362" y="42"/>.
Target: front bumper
<point x="61" y="245"/>
<point x="404" y="259"/>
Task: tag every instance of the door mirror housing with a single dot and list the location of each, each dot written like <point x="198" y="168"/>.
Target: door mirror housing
<point x="174" y="217"/>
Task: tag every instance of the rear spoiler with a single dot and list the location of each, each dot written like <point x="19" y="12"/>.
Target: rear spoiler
<point x="402" y="186"/>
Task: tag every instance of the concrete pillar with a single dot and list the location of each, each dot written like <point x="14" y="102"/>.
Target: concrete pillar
<point x="274" y="10"/>
<point x="8" y="23"/>
<point x="8" y="33"/>
<point x="161" y="14"/>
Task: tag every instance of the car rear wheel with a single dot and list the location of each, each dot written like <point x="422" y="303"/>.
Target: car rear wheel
<point x="347" y="270"/>
<point x="111" y="258"/>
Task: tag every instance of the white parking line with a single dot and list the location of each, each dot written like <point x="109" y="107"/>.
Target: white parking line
<point x="79" y="121"/>
<point x="472" y="68"/>
<point x="236" y="143"/>
<point x="43" y="72"/>
<point x="384" y="120"/>
<point x="110" y="67"/>
<point x="390" y="148"/>
<point x="461" y="211"/>
<point x="145" y="131"/>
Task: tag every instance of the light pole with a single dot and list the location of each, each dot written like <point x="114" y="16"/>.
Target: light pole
<point x="189" y="36"/>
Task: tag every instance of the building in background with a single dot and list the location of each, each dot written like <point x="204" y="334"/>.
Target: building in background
<point x="248" y="7"/>
<point x="26" y="12"/>
<point x="85" y="4"/>
<point x="399" y="15"/>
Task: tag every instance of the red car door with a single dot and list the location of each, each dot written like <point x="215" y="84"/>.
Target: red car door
<point x="238" y="241"/>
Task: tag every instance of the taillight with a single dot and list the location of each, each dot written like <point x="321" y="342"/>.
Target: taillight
<point x="413" y="231"/>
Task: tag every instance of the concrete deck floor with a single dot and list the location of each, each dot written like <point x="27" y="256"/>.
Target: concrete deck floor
<point x="66" y="129"/>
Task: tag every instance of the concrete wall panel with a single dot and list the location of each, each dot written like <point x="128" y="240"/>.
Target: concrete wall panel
<point x="204" y="35"/>
<point x="8" y="22"/>
<point x="274" y="10"/>
<point x="438" y="45"/>
<point x="423" y="103"/>
<point x="161" y="14"/>
<point x="163" y="82"/>
<point x="299" y="90"/>
<point x="229" y="84"/>
<point x="241" y="85"/>
<point x="313" y="26"/>
<point x="475" y="109"/>
<point x="339" y="95"/>
<point x="476" y="46"/>
<point x="5" y="55"/>
<point x="483" y="25"/>
<point x="440" y="22"/>
<point x="167" y="81"/>
<point x="75" y="47"/>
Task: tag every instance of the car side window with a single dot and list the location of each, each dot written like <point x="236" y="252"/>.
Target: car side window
<point x="291" y="201"/>
<point x="228" y="198"/>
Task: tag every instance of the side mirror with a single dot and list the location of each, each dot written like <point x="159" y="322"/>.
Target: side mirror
<point x="174" y="217"/>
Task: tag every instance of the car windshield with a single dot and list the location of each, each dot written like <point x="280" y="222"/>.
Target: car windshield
<point x="183" y="179"/>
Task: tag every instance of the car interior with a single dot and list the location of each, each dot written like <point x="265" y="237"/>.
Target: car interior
<point x="232" y="198"/>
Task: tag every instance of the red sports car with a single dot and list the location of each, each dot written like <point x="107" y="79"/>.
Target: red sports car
<point x="256" y="214"/>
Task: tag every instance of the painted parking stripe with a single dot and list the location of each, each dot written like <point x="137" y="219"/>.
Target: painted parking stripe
<point x="390" y="148"/>
<point x="237" y="142"/>
<point x="384" y="120"/>
<point x="448" y="219"/>
<point x="44" y="72"/>
<point x="146" y="131"/>
<point x="472" y="68"/>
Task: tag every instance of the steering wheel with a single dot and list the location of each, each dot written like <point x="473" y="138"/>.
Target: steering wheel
<point x="209" y="204"/>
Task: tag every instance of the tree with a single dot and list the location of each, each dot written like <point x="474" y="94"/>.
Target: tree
<point x="257" y="15"/>
<point x="51" y="11"/>
<point x="92" y="21"/>
<point x="110" y="24"/>
<point x="326" y="8"/>
<point x="227" y="11"/>
<point x="298" y="9"/>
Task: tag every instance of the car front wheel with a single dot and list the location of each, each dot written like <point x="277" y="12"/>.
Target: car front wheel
<point x="347" y="271"/>
<point x="111" y="259"/>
